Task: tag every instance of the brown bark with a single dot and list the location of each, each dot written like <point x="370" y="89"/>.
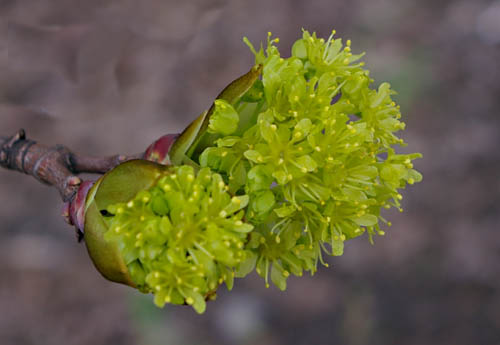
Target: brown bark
<point x="56" y="166"/>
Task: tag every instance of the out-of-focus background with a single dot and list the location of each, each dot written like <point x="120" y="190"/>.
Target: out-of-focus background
<point x="106" y="77"/>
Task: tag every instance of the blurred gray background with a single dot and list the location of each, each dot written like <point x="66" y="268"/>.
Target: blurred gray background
<point x="110" y="76"/>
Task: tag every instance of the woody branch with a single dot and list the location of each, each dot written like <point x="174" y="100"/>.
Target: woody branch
<point x="55" y="166"/>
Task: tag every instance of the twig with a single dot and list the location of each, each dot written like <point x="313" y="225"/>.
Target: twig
<point x="56" y="166"/>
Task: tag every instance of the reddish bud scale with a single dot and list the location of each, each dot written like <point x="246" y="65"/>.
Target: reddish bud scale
<point x="75" y="211"/>
<point x="158" y="150"/>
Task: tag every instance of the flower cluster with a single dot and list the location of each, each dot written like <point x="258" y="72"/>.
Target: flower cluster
<point x="302" y="161"/>
<point x="312" y="146"/>
<point x="183" y="237"/>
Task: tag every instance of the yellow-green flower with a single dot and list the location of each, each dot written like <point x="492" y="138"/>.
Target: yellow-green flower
<point x="182" y="237"/>
<point x="310" y="154"/>
<point x="281" y="170"/>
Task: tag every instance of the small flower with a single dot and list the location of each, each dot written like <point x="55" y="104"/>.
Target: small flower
<point x="224" y="119"/>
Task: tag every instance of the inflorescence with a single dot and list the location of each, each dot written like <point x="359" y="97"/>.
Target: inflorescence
<point x="304" y="161"/>
<point x="183" y="237"/>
